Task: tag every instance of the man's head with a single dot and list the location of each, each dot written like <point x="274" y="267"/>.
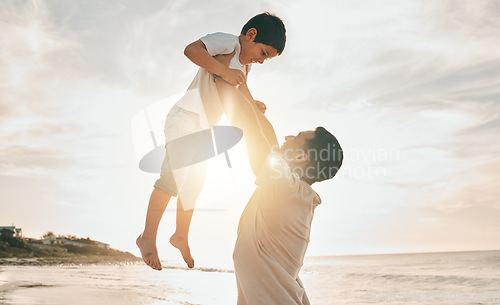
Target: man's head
<point x="314" y="155"/>
<point x="264" y="37"/>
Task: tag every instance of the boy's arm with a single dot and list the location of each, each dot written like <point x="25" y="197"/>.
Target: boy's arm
<point x="259" y="134"/>
<point x="198" y="54"/>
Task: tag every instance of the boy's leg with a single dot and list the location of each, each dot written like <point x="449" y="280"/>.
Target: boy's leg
<point x="189" y="193"/>
<point x="147" y="240"/>
<point x="180" y="237"/>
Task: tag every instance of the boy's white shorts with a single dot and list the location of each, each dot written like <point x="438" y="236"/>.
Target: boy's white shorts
<point x="187" y="182"/>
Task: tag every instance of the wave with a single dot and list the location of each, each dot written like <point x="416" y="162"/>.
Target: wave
<point x="470" y="281"/>
<point x="9" y="286"/>
<point x="35" y="285"/>
<point x="202" y="269"/>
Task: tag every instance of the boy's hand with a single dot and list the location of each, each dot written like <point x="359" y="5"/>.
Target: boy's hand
<point x="233" y="76"/>
<point x="262" y="107"/>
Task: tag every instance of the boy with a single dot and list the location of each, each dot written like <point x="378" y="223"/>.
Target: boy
<point x="262" y="37"/>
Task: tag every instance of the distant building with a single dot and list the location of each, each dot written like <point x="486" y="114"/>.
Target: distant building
<point x="49" y="240"/>
<point x="18" y="232"/>
<point x="64" y="241"/>
<point x="101" y="244"/>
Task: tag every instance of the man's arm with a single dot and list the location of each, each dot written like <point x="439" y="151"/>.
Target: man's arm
<point x="259" y="134"/>
<point x="243" y="88"/>
<point x="267" y="128"/>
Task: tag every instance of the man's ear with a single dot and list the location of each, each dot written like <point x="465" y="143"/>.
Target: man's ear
<point x="251" y="34"/>
<point x="301" y="157"/>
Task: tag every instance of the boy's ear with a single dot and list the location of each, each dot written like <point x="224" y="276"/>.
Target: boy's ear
<point x="251" y="34"/>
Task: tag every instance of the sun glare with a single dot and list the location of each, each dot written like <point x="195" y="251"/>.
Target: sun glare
<point x="273" y="160"/>
<point x="222" y="180"/>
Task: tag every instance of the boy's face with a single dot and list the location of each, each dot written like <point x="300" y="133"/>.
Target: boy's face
<point x="255" y="52"/>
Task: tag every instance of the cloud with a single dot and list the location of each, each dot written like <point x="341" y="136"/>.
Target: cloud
<point x="418" y="78"/>
<point x="490" y="126"/>
<point x="435" y="79"/>
<point x="473" y="20"/>
<point x="23" y="158"/>
<point x="427" y="229"/>
<point x="29" y="69"/>
<point x="41" y="132"/>
<point x="31" y="147"/>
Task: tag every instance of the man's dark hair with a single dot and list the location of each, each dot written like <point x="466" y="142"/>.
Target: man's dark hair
<point x="325" y="155"/>
<point x="270" y="30"/>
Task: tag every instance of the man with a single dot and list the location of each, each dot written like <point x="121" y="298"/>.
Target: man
<point x="274" y="228"/>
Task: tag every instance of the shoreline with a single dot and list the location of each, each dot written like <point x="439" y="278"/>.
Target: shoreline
<point x="68" y="261"/>
<point x="96" y="261"/>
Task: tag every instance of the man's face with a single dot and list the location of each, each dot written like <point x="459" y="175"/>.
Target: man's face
<point x="255" y="52"/>
<point x="295" y="145"/>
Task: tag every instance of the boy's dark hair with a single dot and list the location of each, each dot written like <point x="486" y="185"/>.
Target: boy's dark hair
<point x="270" y="30"/>
<point x="325" y="155"/>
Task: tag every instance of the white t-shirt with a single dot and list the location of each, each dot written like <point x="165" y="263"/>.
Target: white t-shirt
<point x="273" y="235"/>
<point x="216" y="43"/>
<point x="224" y="43"/>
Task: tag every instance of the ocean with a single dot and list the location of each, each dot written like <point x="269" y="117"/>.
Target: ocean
<point x="423" y="278"/>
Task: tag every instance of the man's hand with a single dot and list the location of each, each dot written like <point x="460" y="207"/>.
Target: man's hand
<point x="233" y="76"/>
<point x="262" y="107"/>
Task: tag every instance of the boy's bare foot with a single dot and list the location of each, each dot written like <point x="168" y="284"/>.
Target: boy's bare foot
<point x="183" y="246"/>
<point x="149" y="252"/>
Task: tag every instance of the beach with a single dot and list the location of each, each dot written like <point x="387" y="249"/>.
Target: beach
<point x="437" y="278"/>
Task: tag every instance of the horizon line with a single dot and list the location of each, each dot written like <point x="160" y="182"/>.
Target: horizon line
<point x="402" y="253"/>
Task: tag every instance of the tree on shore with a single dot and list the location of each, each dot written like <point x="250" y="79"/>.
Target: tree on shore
<point x="48" y="234"/>
<point x="69" y="237"/>
<point x="7" y="236"/>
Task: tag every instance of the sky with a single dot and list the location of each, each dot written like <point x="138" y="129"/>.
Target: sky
<point x="409" y="88"/>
